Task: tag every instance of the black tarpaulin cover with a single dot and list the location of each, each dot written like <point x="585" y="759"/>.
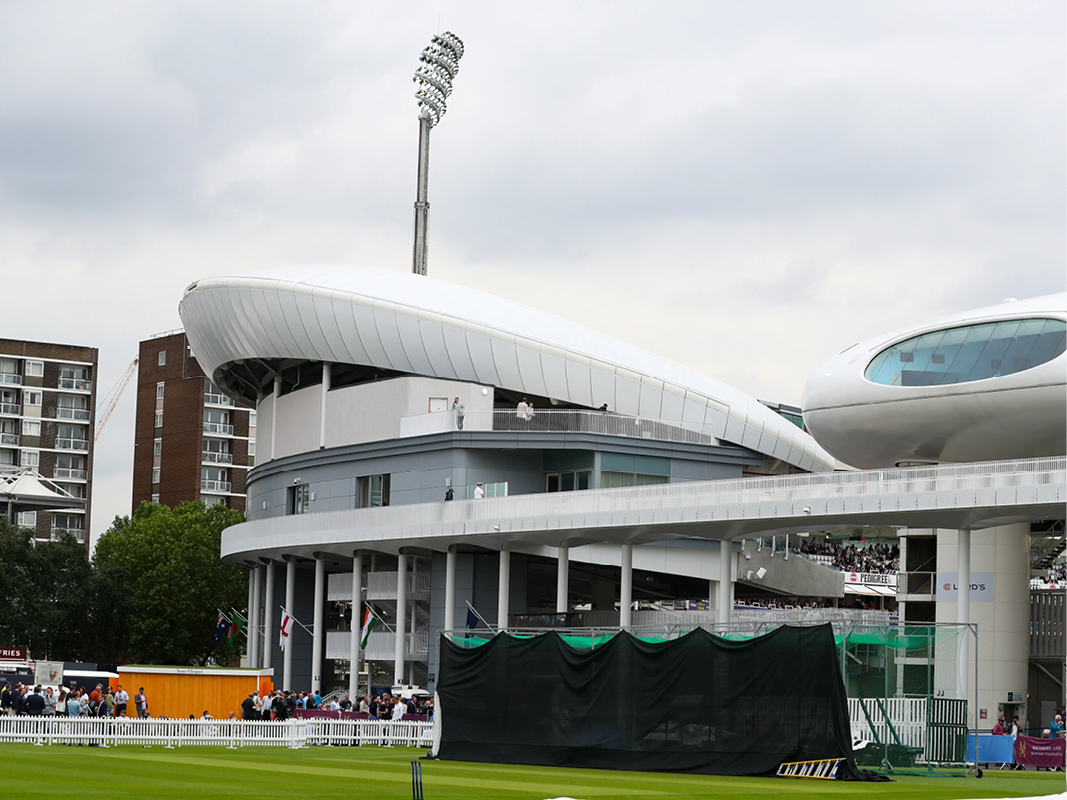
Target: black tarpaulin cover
<point x="699" y="703"/>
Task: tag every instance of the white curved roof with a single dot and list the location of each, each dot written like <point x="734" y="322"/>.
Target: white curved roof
<point x="870" y="425"/>
<point x="419" y="325"/>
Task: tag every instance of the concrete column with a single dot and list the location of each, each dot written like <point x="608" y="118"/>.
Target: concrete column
<point x="713" y="604"/>
<point x="626" y="586"/>
<point x="726" y="587"/>
<point x="251" y="601"/>
<point x="503" y="590"/>
<point x="356" y="626"/>
<point x="450" y="589"/>
<point x="326" y="372"/>
<point x="562" y="575"/>
<point x="274" y="419"/>
<point x="254" y="632"/>
<point x="268" y="617"/>
<point x="401" y="614"/>
<point x="290" y="600"/>
<point x="963" y="603"/>
<point x="318" y="632"/>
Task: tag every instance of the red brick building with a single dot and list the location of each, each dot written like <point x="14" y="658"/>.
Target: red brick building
<point x="191" y="441"/>
<point x="47" y="423"/>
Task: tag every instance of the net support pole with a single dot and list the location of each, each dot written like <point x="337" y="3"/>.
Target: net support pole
<point x="726" y="589"/>
<point x="290" y="599"/>
<point x="503" y="590"/>
<point x="450" y="589"/>
<point x="562" y="574"/>
<point x="355" y="627"/>
<point x="626" y="586"/>
<point x="318" y="631"/>
<point x="963" y="597"/>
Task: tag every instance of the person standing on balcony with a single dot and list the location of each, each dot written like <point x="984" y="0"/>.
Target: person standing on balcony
<point x="479" y="492"/>
<point x="458" y="408"/>
<point x="520" y="411"/>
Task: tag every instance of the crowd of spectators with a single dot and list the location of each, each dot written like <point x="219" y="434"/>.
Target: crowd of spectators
<point x="281" y="705"/>
<point x="34" y="701"/>
<point x="874" y="558"/>
<point x="1056" y="575"/>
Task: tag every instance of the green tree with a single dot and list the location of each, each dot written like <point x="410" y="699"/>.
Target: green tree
<point x="165" y="582"/>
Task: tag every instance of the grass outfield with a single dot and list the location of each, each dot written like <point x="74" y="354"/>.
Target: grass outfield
<point x="81" y="773"/>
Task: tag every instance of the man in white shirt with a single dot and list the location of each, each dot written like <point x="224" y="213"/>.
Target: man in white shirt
<point x="122" y="699"/>
<point x="398" y="710"/>
<point x="479" y="492"/>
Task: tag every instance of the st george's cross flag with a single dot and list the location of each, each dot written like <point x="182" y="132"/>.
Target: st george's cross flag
<point x="286" y="629"/>
<point x="369" y="623"/>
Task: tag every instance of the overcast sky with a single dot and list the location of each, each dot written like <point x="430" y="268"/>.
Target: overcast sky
<point x="746" y="188"/>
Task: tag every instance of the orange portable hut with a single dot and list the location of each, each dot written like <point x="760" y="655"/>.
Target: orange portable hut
<point x="177" y="692"/>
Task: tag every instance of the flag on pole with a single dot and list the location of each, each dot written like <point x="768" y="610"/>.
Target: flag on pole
<point x="235" y="628"/>
<point x="472" y="618"/>
<point x="287" y="628"/>
<point x="221" y="627"/>
<point x="370" y="621"/>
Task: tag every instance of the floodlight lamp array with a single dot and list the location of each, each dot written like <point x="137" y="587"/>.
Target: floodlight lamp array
<point x="439" y="65"/>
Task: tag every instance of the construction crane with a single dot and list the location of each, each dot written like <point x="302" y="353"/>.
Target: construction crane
<point x="114" y="394"/>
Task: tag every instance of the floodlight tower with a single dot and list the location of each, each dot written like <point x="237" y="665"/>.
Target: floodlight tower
<point x="439" y="65"/>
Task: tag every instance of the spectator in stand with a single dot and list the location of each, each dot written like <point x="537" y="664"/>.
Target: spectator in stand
<point x="1055" y="728"/>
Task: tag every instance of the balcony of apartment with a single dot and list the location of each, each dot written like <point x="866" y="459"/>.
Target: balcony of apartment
<point x="72" y="444"/>
<point x="213" y="399"/>
<point x="556" y="420"/>
<point x="75" y="384"/>
<point x="10" y="409"/>
<point x="78" y="414"/>
<point x="9" y="439"/>
<point x="216" y="487"/>
<point x="65" y="473"/>
<point x="10" y="378"/>
<point x="218" y="428"/>
<point x="211" y="457"/>
<point x="58" y="532"/>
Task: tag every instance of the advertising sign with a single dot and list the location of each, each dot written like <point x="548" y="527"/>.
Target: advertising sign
<point x="1039" y="752"/>
<point x="48" y="673"/>
<point x="872" y="578"/>
<point x="981" y="587"/>
<point x="14" y="653"/>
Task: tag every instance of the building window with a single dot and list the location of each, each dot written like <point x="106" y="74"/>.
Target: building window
<point x="30" y="458"/>
<point x="68" y="525"/>
<point x="299" y="499"/>
<point x="252" y="448"/>
<point x="157" y="447"/>
<point x="31" y="427"/>
<point x="155" y="474"/>
<point x="568" y="481"/>
<point x="490" y="489"/>
<point x="31" y="398"/>
<point x="159" y="390"/>
<point x="35" y="369"/>
<point x="214" y="479"/>
<point x="373" y="491"/>
<point x="252" y="419"/>
<point x="155" y="498"/>
<point x="159" y="417"/>
<point x="27" y="519"/>
<point x="162" y="359"/>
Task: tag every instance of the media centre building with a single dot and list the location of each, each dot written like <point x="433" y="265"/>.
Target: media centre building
<point x="456" y="460"/>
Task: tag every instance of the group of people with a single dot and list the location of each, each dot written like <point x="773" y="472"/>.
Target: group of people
<point x="280" y="705"/>
<point x="1056" y="575"/>
<point x="35" y="701"/>
<point x="875" y="558"/>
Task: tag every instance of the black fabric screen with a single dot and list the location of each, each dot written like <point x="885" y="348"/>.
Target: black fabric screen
<point x="699" y="703"/>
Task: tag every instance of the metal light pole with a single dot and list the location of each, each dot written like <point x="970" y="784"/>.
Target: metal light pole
<point x="439" y="65"/>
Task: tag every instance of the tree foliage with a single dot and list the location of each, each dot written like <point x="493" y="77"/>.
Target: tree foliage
<point x="163" y="583"/>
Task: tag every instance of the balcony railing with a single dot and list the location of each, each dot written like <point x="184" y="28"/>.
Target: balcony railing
<point x="78" y="384"/>
<point x="212" y="399"/>
<point x="209" y="457"/>
<point x="10" y="378"/>
<point x="72" y="444"/>
<point x="77" y="533"/>
<point x="218" y="428"/>
<point x="70" y="474"/>
<point x="10" y="439"/>
<point x="72" y="413"/>
<point x="215" y="486"/>
<point x="382" y="585"/>
<point x="10" y="408"/>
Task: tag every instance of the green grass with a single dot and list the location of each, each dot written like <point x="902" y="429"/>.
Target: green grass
<point x="82" y="773"/>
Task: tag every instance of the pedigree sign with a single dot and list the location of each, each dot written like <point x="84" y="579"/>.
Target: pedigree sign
<point x="872" y="578"/>
<point x="14" y="653"/>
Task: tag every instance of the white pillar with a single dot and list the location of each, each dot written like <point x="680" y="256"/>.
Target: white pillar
<point x="274" y="419"/>
<point x="503" y="590"/>
<point x="401" y="614"/>
<point x="268" y="617"/>
<point x="326" y="373"/>
<point x="450" y="589"/>
<point x="251" y="600"/>
<point x="562" y="574"/>
<point x="356" y="627"/>
<point x="290" y="600"/>
<point x="713" y="604"/>
<point x="318" y="632"/>
<point x="963" y="601"/>
<point x="254" y="650"/>
<point x="726" y="588"/>
<point x="626" y="586"/>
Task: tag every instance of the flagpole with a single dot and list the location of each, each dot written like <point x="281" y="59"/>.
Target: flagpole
<point x="479" y="616"/>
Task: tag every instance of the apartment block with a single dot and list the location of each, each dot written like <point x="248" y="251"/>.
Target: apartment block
<point x="191" y="441"/>
<point x="47" y="423"/>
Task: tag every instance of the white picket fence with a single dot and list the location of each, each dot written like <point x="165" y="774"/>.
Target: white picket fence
<point x="227" y="733"/>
